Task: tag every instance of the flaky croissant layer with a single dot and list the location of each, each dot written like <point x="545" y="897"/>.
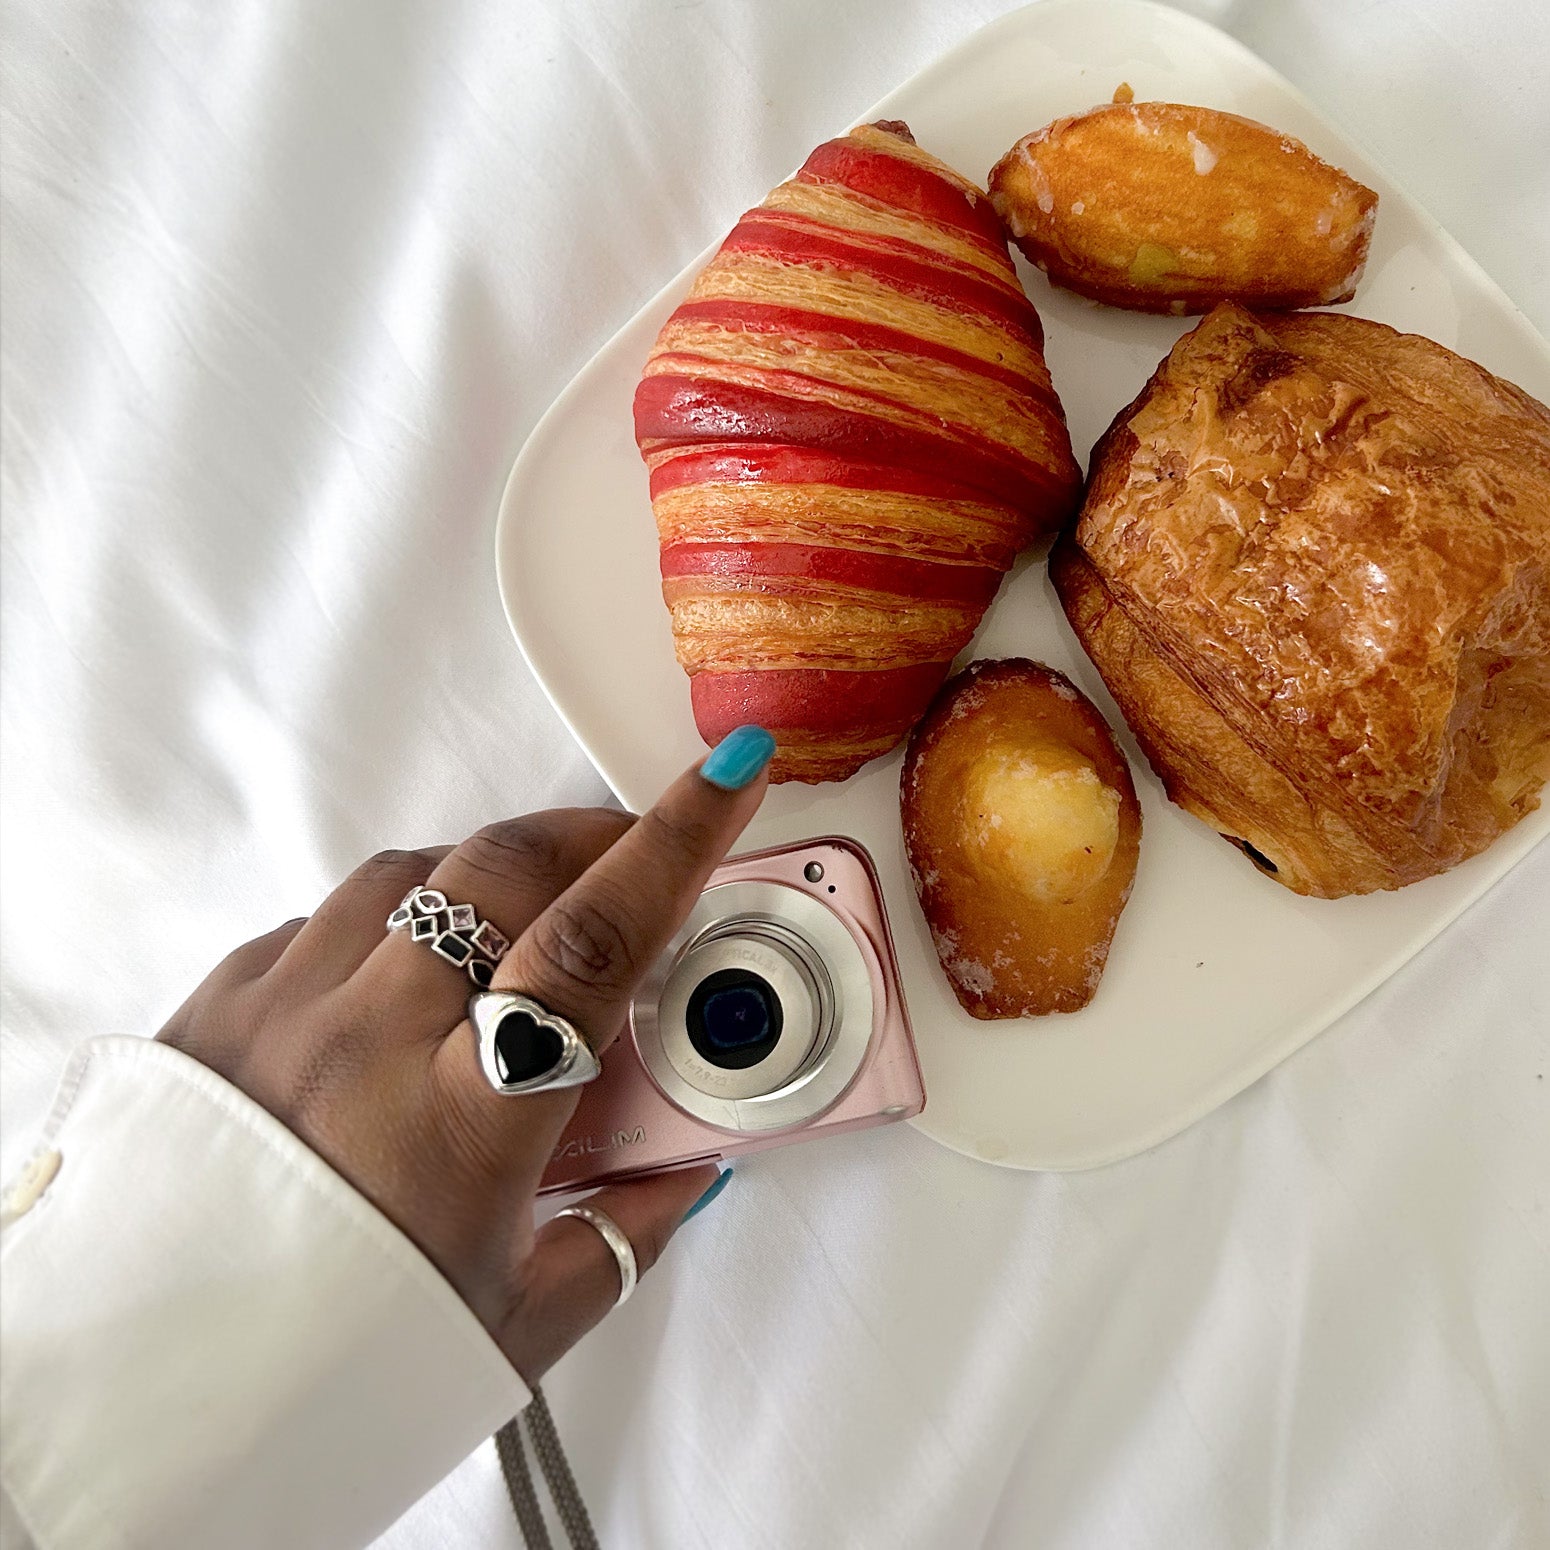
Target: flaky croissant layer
<point x="851" y="432"/>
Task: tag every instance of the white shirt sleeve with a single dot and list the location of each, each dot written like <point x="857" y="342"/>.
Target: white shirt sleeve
<point x="209" y="1338"/>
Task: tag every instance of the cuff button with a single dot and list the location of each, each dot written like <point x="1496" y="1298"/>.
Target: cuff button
<point x="29" y="1185"/>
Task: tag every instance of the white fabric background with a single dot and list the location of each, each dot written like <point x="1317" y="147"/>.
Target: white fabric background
<point x="286" y="285"/>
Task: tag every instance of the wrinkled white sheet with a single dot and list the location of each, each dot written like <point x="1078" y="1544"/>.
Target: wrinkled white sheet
<point x="285" y="288"/>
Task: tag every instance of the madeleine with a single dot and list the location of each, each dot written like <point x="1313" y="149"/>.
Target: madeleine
<point x="1159" y="207"/>
<point x="1022" y="829"/>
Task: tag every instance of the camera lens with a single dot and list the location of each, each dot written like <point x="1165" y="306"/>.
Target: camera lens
<point x="744" y="1008"/>
<point x="760" y="1013"/>
<point x="733" y="1018"/>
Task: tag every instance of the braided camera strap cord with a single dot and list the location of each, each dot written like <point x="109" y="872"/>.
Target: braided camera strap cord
<point x="557" y="1474"/>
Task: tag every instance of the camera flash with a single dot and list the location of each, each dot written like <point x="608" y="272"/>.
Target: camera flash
<point x="813" y="872"/>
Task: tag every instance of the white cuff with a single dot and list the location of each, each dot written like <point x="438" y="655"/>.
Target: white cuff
<point x="210" y="1338"/>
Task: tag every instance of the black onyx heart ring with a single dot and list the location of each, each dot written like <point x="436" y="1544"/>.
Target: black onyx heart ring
<point x="526" y="1048"/>
<point x="451" y="931"/>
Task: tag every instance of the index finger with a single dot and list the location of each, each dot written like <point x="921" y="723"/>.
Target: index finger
<point x="584" y="955"/>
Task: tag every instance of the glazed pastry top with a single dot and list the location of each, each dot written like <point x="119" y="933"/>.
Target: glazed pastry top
<point x="1343" y="532"/>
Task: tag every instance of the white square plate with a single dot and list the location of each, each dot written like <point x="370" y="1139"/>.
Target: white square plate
<point x="1216" y="972"/>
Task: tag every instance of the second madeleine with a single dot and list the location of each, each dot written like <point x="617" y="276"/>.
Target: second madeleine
<point x="1022" y="829"/>
<point x="1160" y="207"/>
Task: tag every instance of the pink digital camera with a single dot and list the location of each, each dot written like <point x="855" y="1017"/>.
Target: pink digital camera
<point x="775" y="1014"/>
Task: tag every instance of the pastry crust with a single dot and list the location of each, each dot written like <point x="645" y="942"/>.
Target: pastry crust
<point x="851" y="433"/>
<point x="1160" y="207"/>
<point x="1022" y="829"/>
<point x="1313" y="568"/>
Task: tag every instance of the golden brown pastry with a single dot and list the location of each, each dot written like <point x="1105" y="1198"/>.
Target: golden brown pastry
<point x="1022" y="829"/>
<point x="1165" y="208"/>
<point x="1313" y="567"/>
<point x="851" y="433"/>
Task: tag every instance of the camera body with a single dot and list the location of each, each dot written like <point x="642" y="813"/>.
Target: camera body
<point x="775" y="1014"/>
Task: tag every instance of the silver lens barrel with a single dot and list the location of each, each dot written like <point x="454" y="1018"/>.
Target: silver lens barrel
<point x="808" y="960"/>
<point x="770" y="953"/>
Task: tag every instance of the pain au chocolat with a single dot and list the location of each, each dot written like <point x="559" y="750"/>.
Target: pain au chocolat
<point x="1313" y="568"/>
<point x="851" y="433"/>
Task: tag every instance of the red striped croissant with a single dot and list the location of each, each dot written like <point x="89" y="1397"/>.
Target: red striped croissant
<point x="851" y="432"/>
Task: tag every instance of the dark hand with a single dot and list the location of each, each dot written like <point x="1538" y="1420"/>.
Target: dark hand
<point x="356" y="1040"/>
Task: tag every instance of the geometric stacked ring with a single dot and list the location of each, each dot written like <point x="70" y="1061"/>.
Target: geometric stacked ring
<point x="523" y="1046"/>
<point x="452" y="931"/>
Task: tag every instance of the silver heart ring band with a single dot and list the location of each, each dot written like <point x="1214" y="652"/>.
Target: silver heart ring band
<point x="523" y="1046"/>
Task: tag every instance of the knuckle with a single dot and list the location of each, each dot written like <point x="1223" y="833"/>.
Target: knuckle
<point x="651" y="1244"/>
<point x="608" y="822"/>
<point x="679" y="835"/>
<point x="254" y="958"/>
<point x="584" y="945"/>
<point x="528" y="847"/>
<point x="408" y="866"/>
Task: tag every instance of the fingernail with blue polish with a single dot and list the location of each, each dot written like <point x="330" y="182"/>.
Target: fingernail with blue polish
<point x="738" y="757"/>
<point x="710" y="1194"/>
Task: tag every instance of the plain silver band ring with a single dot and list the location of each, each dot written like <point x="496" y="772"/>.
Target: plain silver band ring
<point x="620" y="1246"/>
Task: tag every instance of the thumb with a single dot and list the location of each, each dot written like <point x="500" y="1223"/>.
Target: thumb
<point x="571" y="1280"/>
